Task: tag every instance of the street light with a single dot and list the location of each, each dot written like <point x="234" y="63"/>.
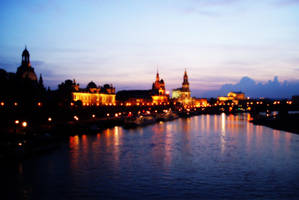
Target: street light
<point x="24" y="124"/>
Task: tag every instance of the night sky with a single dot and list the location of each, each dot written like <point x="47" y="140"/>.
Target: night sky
<point x="124" y="42"/>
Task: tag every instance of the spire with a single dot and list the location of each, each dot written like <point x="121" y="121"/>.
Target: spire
<point x="185" y="76"/>
<point x="41" y="81"/>
<point x="157" y="75"/>
<point x="185" y="82"/>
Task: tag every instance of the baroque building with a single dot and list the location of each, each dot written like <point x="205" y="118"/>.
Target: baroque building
<point x="235" y="97"/>
<point x="183" y="94"/>
<point x="156" y="96"/>
<point x="26" y="71"/>
<point x="158" y="91"/>
<point x="93" y="95"/>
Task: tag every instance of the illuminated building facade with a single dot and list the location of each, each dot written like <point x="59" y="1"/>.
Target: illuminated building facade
<point x="94" y="96"/>
<point x="233" y="96"/>
<point x="158" y="91"/>
<point x="183" y="94"/>
<point x="25" y="71"/>
<point x="199" y="102"/>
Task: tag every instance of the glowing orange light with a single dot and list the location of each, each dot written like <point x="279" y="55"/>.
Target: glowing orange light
<point x="24" y="124"/>
<point x="108" y="114"/>
<point x="15" y="104"/>
<point x="76" y="118"/>
<point x="20" y="144"/>
<point x="49" y="119"/>
<point x="93" y="116"/>
<point x="2" y="103"/>
<point x="17" y="122"/>
<point x="39" y="104"/>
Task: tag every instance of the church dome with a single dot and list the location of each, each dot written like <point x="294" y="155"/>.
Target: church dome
<point x="91" y="85"/>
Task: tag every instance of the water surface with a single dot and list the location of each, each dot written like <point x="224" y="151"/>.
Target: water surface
<point x="203" y="157"/>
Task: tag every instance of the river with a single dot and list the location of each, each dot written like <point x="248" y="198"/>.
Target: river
<point x="202" y="157"/>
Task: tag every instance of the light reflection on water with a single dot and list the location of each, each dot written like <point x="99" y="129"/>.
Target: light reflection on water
<point x="207" y="156"/>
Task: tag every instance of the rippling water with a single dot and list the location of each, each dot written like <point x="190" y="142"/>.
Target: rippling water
<point x="203" y="157"/>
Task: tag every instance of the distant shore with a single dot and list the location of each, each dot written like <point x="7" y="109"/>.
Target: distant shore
<point x="289" y="123"/>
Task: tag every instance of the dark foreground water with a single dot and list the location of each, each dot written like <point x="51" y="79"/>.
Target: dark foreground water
<point x="203" y="157"/>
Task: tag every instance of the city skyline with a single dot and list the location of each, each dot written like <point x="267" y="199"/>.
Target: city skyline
<point x="218" y="42"/>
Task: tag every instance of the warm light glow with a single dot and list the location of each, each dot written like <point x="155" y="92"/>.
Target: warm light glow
<point x="15" y="104"/>
<point x="92" y="99"/>
<point x="93" y="116"/>
<point x="39" y="104"/>
<point x="76" y="118"/>
<point x="24" y="124"/>
<point x="49" y="119"/>
<point x="159" y="99"/>
<point x="17" y="122"/>
<point x="2" y="103"/>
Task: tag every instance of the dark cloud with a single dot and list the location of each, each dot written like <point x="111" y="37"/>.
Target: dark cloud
<point x="271" y="89"/>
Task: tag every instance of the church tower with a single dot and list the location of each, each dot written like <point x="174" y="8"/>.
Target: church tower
<point x="185" y="84"/>
<point x="26" y="57"/>
<point x="158" y="85"/>
<point x="25" y="71"/>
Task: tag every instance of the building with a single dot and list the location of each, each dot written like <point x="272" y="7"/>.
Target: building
<point x="183" y="94"/>
<point x="26" y="71"/>
<point x="235" y="97"/>
<point x="158" y="92"/>
<point x="156" y="96"/>
<point x="199" y="102"/>
<point x="134" y="97"/>
<point x="93" y="95"/>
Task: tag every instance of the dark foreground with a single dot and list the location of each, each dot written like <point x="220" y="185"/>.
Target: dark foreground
<point x="289" y="122"/>
<point x="202" y="157"/>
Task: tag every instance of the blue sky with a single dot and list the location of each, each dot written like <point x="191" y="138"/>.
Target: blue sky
<point x="123" y="42"/>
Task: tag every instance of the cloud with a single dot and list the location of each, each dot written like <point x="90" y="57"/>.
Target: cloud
<point x="270" y="89"/>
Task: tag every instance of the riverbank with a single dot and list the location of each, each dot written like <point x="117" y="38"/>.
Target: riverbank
<point x="289" y="123"/>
